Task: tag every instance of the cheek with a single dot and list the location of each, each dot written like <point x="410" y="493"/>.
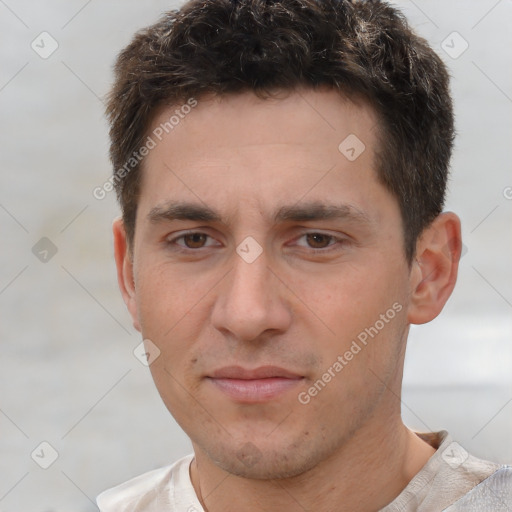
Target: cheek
<point x="344" y="299"/>
<point x="172" y="314"/>
<point x="358" y="314"/>
<point x="165" y="295"/>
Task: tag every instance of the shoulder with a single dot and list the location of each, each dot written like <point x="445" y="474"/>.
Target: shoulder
<point x="148" y="491"/>
<point x="451" y="479"/>
<point x="493" y="493"/>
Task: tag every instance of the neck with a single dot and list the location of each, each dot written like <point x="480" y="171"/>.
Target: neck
<point x="365" y="474"/>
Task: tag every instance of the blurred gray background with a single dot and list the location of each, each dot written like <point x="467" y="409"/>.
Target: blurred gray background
<point x="68" y="376"/>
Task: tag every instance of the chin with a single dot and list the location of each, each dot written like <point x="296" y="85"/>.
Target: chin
<point x="255" y="461"/>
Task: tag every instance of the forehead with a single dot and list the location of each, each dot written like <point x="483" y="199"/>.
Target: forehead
<point x="286" y="116"/>
<point x="240" y="150"/>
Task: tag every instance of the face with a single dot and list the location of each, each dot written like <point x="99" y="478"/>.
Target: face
<point x="269" y="271"/>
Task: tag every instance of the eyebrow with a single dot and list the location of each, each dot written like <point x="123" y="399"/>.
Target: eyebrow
<point x="311" y="211"/>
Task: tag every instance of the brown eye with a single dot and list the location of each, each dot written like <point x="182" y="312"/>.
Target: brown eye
<point x="318" y="240"/>
<point x="192" y="241"/>
<point x="195" y="240"/>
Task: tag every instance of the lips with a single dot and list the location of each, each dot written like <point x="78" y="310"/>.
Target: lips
<point x="263" y="372"/>
<point x="254" y="385"/>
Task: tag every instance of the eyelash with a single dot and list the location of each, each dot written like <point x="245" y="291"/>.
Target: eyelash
<point x="337" y="241"/>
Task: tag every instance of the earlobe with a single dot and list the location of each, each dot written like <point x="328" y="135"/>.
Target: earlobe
<point x="434" y="270"/>
<point x="125" y="273"/>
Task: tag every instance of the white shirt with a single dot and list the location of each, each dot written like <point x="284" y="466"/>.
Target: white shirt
<point x="451" y="481"/>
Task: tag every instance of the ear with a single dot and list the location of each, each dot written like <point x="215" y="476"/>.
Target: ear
<point x="125" y="275"/>
<point x="434" y="269"/>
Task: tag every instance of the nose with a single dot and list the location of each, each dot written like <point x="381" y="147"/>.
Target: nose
<point x="251" y="301"/>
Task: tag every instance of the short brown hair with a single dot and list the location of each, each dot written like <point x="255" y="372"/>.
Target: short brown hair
<point x="361" y="48"/>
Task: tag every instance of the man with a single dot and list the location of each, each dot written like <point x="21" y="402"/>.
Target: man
<point x="281" y="168"/>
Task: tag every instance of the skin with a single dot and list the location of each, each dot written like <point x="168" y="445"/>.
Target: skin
<point x="299" y="305"/>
